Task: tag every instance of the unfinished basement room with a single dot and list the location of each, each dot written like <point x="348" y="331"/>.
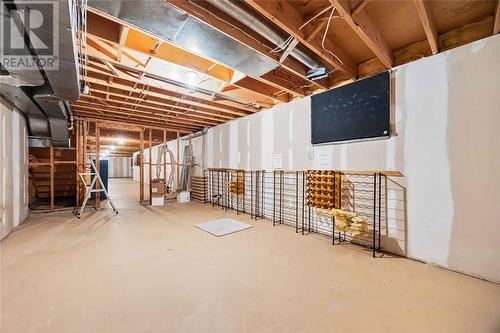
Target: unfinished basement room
<point x="250" y="166"/>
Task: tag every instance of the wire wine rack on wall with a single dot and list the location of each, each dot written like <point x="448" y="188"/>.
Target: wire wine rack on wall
<point x="349" y="207"/>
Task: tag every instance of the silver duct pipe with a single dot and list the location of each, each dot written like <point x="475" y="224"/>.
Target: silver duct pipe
<point x="254" y="23"/>
<point x="203" y="131"/>
<point x="189" y="87"/>
<point x="70" y="115"/>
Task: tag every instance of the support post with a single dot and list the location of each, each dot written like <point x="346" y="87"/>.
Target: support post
<point x="177" y="173"/>
<point x="51" y="177"/>
<point x="97" y="163"/>
<point x="141" y="167"/>
<point x="164" y="156"/>
<point x="150" y="165"/>
<point x="84" y="153"/>
<point x="188" y="187"/>
<point x="78" y="152"/>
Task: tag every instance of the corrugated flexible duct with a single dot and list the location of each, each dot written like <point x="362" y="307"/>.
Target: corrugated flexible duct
<point x="253" y="22"/>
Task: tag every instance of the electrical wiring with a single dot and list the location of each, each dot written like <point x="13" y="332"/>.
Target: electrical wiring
<point x="282" y="46"/>
<point x="315" y="16"/>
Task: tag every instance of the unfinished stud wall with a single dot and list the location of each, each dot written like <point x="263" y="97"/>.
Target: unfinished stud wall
<point x="13" y="168"/>
<point x="172" y="145"/>
<point x="445" y="120"/>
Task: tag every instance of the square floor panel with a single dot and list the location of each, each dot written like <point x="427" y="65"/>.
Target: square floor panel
<point x="223" y="227"/>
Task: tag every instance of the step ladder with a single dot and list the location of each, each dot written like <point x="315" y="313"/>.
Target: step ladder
<point x="91" y="188"/>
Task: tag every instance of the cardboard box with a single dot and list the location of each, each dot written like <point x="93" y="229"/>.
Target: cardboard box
<point x="157" y="200"/>
<point x="183" y="197"/>
<point x="158" y="187"/>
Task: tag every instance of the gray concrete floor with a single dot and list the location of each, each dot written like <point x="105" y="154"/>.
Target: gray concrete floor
<point x="149" y="269"/>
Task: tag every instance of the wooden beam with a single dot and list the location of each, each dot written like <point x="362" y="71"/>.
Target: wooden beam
<point x="456" y="37"/>
<point x="427" y="18"/>
<point x="126" y="120"/>
<point x="153" y="101"/>
<point x="293" y="87"/>
<point x="90" y="111"/>
<point x="110" y="66"/>
<point x="364" y="27"/>
<point x="154" y="114"/>
<point x="156" y="102"/>
<point x="141" y="87"/>
<point x="316" y="30"/>
<point x="496" y="24"/>
<point x="254" y="85"/>
<point x="121" y="42"/>
<point x="125" y="126"/>
<point x="359" y="7"/>
<point x="288" y="18"/>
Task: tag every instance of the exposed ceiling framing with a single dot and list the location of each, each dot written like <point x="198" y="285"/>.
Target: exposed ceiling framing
<point x="352" y="39"/>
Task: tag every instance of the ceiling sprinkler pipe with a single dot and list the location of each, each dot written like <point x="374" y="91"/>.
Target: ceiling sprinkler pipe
<point x="253" y="22"/>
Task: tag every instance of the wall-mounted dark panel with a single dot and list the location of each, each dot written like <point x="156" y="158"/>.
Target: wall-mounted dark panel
<point x="359" y="110"/>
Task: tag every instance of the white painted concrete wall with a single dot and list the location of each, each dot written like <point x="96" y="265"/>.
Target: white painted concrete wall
<point x="446" y="121"/>
<point x="13" y="168"/>
<point x="119" y="167"/>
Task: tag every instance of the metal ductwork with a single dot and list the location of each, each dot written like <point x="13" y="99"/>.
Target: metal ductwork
<point x="40" y="92"/>
<point x="203" y="131"/>
<point x="236" y="11"/>
<point x="167" y="22"/>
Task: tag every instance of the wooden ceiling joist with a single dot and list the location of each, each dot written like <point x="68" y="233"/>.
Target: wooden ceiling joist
<point x="133" y="119"/>
<point x="106" y="51"/>
<point x="163" y="50"/>
<point x="239" y="32"/>
<point x="155" y="103"/>
<point x="364" y="27"/>
<point x="123" y="37"/>
<point x="288" y="18"/>
<point x="98" y="77"/>
<point x="121" y="122"/>
<point x="257" y="86"/>
<point x="152" y="113"/>
<point x="359" y="7"/>
<point x="124" y="93"/>
<point x="427" y="18"/>
<point x="153" y="107"/>
<point x="139" y="116"/>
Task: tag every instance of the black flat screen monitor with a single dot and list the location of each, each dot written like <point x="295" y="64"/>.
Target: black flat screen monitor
<point x="356" y="111"/>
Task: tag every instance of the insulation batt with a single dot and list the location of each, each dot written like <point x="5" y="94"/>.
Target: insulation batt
<point x="347" y="221"/>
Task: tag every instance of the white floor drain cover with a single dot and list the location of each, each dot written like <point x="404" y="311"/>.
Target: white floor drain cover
<point x="223" y="227"/>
